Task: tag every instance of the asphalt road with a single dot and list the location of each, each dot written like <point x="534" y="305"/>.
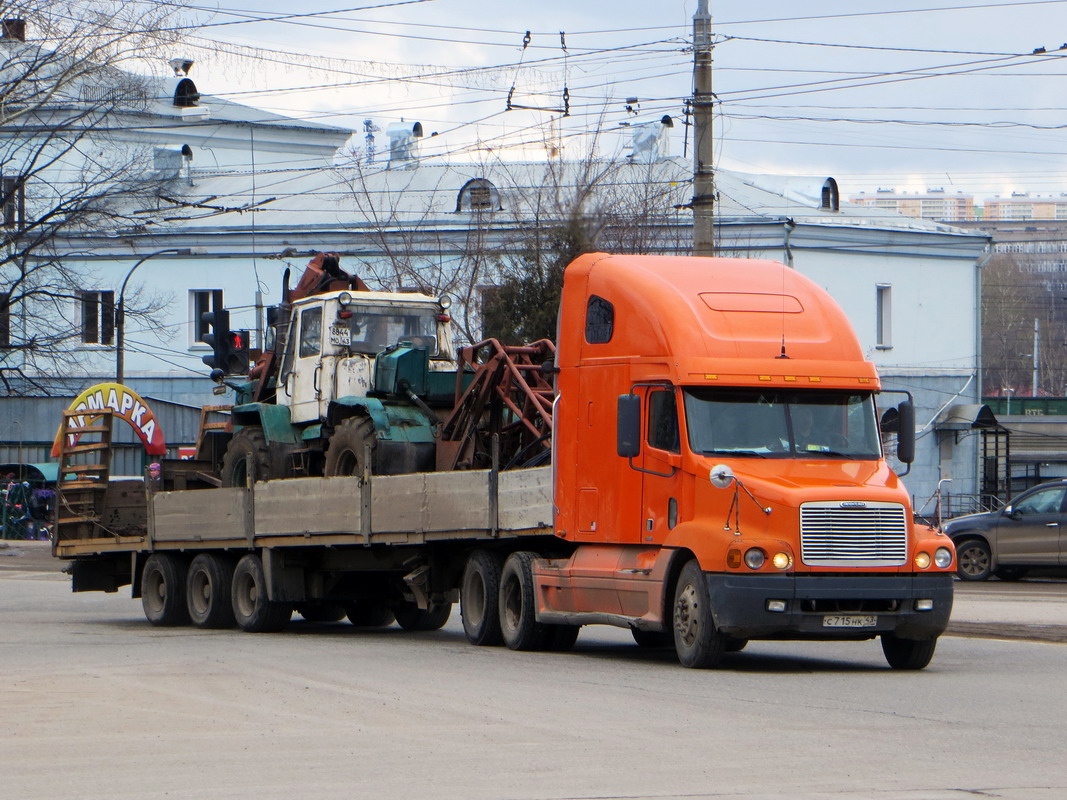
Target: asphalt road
<point x="98" y="704"/>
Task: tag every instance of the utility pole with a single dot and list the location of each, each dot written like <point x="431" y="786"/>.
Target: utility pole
<point x="1037" y="345"/>
<point x="703" y="144"/>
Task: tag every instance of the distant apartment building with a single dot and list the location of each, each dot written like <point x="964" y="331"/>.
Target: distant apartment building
<point x="1021" y="205"/>
<point x="936" y="205"/>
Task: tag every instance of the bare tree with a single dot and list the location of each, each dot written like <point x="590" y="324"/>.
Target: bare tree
<point x="67" y="169"/>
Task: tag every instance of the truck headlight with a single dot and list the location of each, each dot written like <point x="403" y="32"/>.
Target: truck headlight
<point x="922" y="560"/>
<point x="782" y="560"/>
<point x="943" y="557"/>
<point x="755" y="558"/>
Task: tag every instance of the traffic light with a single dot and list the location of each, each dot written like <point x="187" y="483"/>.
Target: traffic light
<point x="217" y="339"/>
<point x="237" y="357"/>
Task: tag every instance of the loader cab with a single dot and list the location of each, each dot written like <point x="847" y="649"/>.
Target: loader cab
<point x="334" y="338"/>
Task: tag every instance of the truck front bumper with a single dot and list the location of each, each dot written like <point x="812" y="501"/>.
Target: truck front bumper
<point x="812" y="606"/>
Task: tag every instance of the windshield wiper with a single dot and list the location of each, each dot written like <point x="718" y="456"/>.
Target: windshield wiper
<point x="739" y="452"/>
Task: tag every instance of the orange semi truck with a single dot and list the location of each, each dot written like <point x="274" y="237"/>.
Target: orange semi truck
<point x="717" y="477"/>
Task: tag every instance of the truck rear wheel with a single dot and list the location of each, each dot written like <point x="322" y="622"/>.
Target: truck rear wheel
<point x="412" y="618"/>
<point x="907" y="653"/>
<point x="208" y="591"/>
<point x="697" y="641"/>
<point x="321" y="612"/>
<point x="247" y="450"/>
<point x="254" y="612"/>
<point x="518" y="620"/>
<point x="479" y="598"/>
<point x="163" y="590"/>
<point x="345" y="452"/>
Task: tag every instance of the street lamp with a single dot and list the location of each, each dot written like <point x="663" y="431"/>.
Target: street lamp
<point x="120" y="308"/>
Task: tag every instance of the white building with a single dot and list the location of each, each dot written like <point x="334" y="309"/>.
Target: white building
<point x="248" y="194"/>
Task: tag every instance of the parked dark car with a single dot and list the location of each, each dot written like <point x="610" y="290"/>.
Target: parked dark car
<point x="1028" y="533"/>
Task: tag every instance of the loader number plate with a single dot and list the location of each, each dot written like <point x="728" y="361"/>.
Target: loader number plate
<point x="340" y="335"/>
<point x="849" y="621"/>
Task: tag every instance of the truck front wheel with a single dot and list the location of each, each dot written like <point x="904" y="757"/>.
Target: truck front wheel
<point x="208" y="591"/>
<point x="697" y="641"/>
<point x="163" y="590"/>
<point x="254" y="612"/>
<point x="478" y="598"/>
<point x="907" y="653"/>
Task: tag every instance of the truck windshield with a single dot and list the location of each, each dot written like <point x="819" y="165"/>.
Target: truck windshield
<point x="772" y="423"/>
<point x="374" y="329"/>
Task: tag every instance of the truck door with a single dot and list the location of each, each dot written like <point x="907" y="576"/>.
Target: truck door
<point x="661" y="481"/>
<point x="303" y="383"/>
<point x="1031" y="533"/>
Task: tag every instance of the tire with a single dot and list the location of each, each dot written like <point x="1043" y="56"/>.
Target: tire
<point x="253" y="611"/>
<point x="562" y="637"/>
<point x="208" y="591"/>
<point x="369" y="614"/>
<point x="734" y="644"/>
<point x="1011" y="573"/>
<point x="697" y="641"/>
<point x="344" y="453"/>
<point x="163" y="590"/>
<point x="321" y="612"/>
<point x="907" y="653"/>
<point x="652" y="640"/>
<point x="974" y="561"/>
<point x="518" y="621"/>
<point x="479" y="597"/>
<point x="249" y="444"/>
<point x="412" y="618"/>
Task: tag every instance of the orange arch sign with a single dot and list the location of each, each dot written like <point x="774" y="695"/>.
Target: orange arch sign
<point x="127" y="405"/>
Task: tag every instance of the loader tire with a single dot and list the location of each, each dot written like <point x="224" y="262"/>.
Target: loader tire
<point x="479" y="598"/>
<point x="248" y="449"/>
<point x="254" y="612"/>
<point x="345" y="451"/>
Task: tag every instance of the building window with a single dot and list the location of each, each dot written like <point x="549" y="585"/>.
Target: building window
<point x="5" y="319"/>
<point x="663" y="421"/>
<point x="98" y="317"/>
<point x="203" y="301"/>
<point x="13" y="202"/>
<point x="884" y="316"/>
<point x="831" y="197"/>
<point x="599" y="320"/>
<point x="478" y="195"/>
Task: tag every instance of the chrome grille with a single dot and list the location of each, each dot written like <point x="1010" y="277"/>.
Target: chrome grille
<point x="874" y="535"/>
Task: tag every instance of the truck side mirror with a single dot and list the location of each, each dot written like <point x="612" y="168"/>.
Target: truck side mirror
<point x="906" y="432"/>
<point x="628" y="439"/>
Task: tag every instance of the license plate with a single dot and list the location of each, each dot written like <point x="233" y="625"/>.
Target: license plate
<point x="340" y="335"/>
<point x="849" y="621"/>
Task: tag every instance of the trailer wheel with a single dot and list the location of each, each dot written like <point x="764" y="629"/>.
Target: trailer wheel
<point x="412" y="618"/>
<point x="697" y="641"/>
<point x="247" y="444"/>
<point x="208" y="591"/>
<point x="163" y="590"/>
<point x="518" y="621"/>
<point x="479" y="598"/>
<point x="907" y="653"/>
<point x="369" y="614"/>
<point x="344" y="453"/>
<point x="321" y="612"/>
<point x="253" y="611"/>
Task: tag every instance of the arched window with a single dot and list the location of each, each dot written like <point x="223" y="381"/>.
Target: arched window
<point x="478" y="195"/>
<point x="831" y="200"/>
